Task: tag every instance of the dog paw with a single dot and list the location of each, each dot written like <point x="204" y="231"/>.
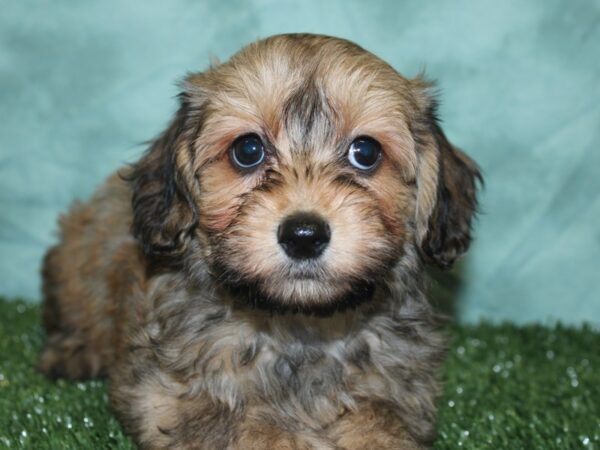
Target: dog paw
<point x="267" y="437"/>
<point x="68" y="357"/>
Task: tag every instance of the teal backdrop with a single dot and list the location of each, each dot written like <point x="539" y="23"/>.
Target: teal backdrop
<point x="83" y="83"/>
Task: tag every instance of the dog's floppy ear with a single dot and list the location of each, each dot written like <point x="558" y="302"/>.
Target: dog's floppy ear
<point x="447" y="192"/>
<point x="164" y="213"/>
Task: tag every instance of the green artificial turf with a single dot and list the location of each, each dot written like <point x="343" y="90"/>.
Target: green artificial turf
<point x="506" y="387"/>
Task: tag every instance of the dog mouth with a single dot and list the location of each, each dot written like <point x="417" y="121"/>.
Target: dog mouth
<point x="252" y="293"/>
<point x="255" y="297"/>
<point x="304" y="271"/>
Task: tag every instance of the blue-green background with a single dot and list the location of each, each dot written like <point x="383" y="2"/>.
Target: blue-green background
<point x="82" y="83"/>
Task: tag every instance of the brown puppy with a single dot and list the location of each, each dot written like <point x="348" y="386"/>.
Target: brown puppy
<point x="256" y="280"/>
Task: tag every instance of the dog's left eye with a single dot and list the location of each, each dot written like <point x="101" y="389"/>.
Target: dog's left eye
<point x="364" y="153"/>
<point x="248" y="151"/>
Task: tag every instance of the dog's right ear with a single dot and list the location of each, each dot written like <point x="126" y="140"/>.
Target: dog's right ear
<point x="448" y="182"/>
<point x="164" y="213"/>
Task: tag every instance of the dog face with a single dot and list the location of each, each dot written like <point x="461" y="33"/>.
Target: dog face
<point x="301" y="171"/>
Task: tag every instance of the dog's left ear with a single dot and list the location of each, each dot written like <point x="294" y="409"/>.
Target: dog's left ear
<point x="447" y="181"/>
<point x="164" y="213"/>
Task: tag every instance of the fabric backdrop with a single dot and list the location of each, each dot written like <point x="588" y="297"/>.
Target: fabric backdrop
<point x="83" y="83"/>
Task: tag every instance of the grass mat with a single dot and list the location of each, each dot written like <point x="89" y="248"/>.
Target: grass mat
<point x="506" y="387"/>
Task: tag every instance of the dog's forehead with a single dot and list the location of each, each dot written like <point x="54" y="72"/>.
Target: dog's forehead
<point x="308" y="119"/>
<point x="307" y="93"/>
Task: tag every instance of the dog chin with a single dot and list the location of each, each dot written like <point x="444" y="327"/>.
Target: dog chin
<point x="300" y="296"/>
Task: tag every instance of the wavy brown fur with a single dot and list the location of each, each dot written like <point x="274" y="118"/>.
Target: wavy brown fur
<point x="151" y="279"/>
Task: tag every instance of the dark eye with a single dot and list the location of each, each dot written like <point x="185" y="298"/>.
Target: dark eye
<point x="247" y="151"/>
<point x="364" y="153"/>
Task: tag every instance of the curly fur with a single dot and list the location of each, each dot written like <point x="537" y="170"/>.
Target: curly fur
<point x="170" y="280"/>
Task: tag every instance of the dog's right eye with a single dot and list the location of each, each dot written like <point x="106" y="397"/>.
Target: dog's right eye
<point x="247" y="152"/>
<point x="364" y="153"/>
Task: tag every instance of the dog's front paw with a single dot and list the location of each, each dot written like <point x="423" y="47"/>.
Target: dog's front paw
<point x="371" y="427"/>
<point x="261" y="436"/>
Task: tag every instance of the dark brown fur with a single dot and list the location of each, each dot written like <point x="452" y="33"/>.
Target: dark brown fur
<point x="171" y="282"/>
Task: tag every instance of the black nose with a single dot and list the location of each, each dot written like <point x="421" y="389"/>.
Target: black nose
<point x="303" y="236"/>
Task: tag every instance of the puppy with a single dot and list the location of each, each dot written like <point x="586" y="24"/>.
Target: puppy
<point x="256" y="279"/>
